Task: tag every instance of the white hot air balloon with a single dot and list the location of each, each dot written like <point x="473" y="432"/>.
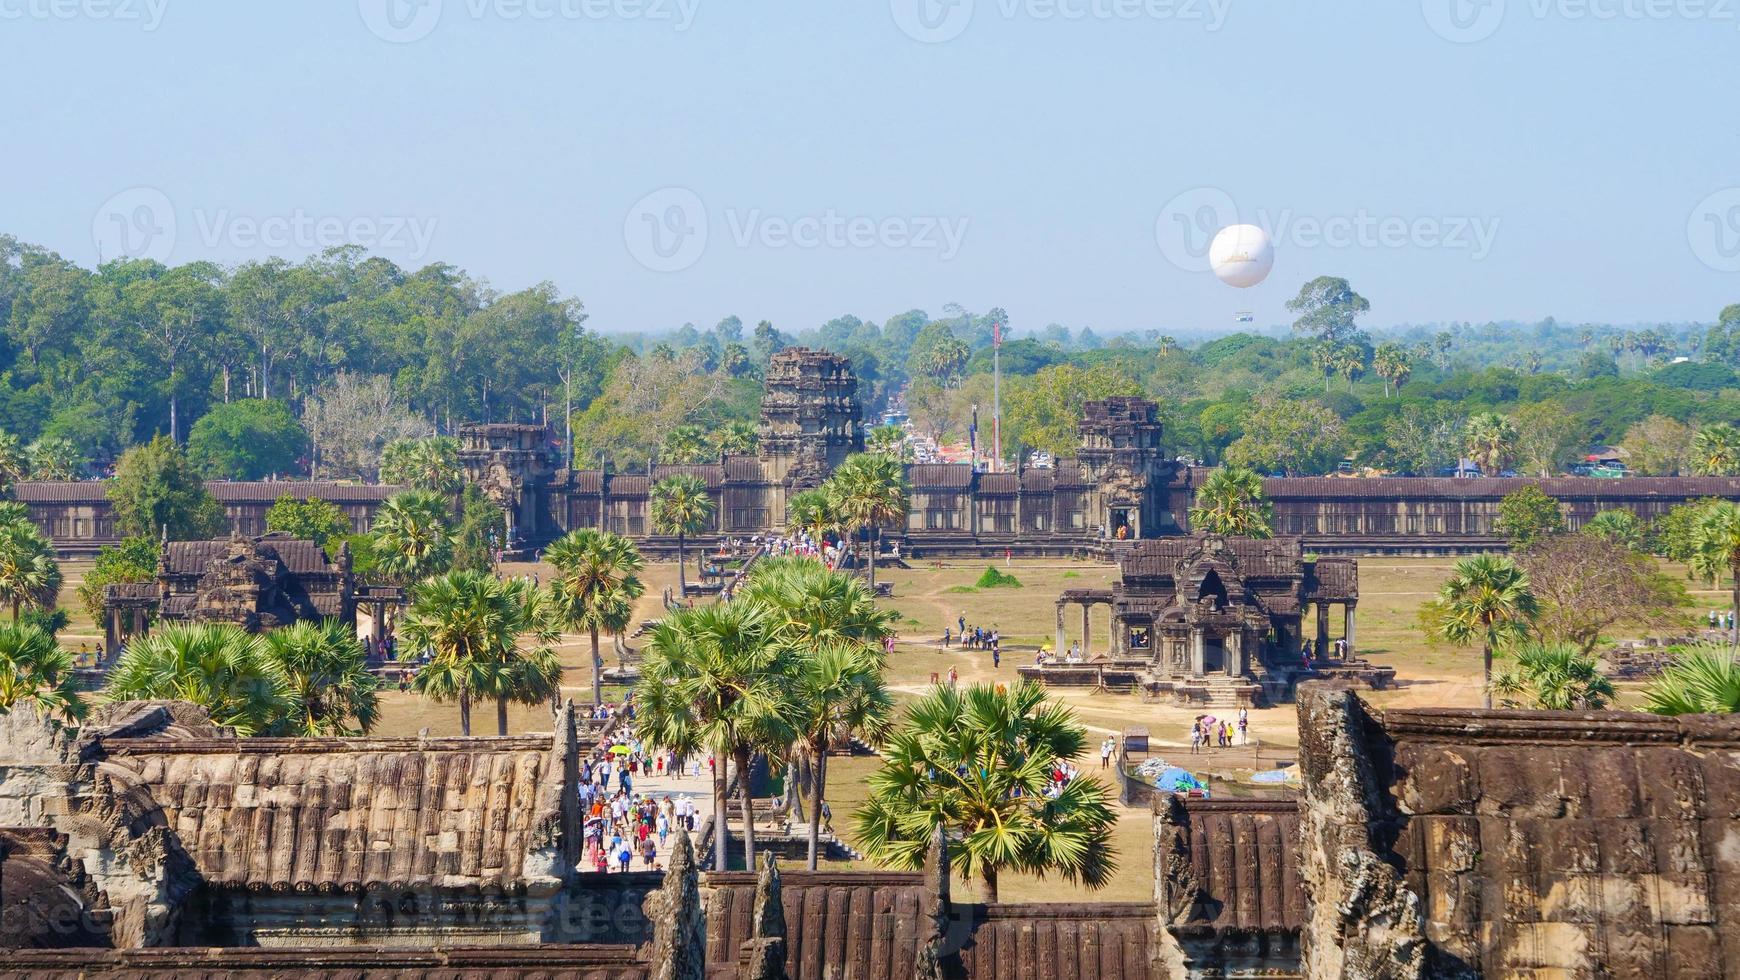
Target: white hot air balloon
<point x="1241" y="255"/>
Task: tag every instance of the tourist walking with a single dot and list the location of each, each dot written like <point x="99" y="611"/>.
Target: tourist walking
<point x="1106" y="749"/>
<point x="1195" y="737"/>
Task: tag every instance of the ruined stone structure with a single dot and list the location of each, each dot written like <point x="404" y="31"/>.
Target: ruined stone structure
<point x="1213" y="620"/>
<point x="256" y="583"/>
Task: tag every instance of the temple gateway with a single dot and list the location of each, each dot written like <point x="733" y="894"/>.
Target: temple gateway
<point x="1214" y="620"/>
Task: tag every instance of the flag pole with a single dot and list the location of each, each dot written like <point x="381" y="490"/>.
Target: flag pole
<point x="997" y="394"/>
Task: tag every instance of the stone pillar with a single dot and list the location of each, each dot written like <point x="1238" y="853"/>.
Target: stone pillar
<point x="1322" y="630"/>
<point x="1347" y="612"/>
<point x="1058" y="649"/>
<point x="679" y="945"/>
<point x="1235" y="651"/>
<point x="766" y="946"/>
<point x="933" y="944"/>
<point x="1197" y="653"/>
<point x="1087" y="609"/>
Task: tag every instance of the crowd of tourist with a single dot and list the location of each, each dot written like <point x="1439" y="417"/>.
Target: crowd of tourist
<point x="1208" y="732"/>
<point x="626" y="828"/>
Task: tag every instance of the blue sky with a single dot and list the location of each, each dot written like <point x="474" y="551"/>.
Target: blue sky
<point x="679" y="160"/>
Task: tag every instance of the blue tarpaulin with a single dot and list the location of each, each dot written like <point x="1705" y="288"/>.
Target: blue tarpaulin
<point x="1176" y="780"/>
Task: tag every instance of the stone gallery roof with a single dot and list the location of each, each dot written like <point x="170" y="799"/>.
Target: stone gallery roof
<point x="348" y="814"/>
<point x="1271" y="558"/>
<point x="712" y="474"/>
<point x="1518" y="843"/>
<point x="298" y="557"/>
<point x="1233" y="863"/>
<point x="858" y="925"/>
<point x="1111" y="941"/>
<point x="1414" y="488"/>
<point x="999" y="484"/>
<point x="227" y="491"/>
<point x="940" y="476"/>
<point x="336" y="963"/>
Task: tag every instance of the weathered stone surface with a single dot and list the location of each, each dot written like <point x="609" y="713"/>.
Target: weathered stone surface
<point x="679" y="946"/>
<point x="765" y="954"/>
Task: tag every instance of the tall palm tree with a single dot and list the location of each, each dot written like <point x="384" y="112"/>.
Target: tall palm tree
<point x="472" y="625"/>
<point x="413" y="536"/>
<point x="425" y="464"/>
<point x="35" y="671"/>
<point x="1231" y="501"/>
<point x="1702" y="681"/>
<point x="13" y="466"/>
<point x="1553" y="677"/>
<point x="218" y="666"/>
<point x="813" y="606"/>
<point x="681" y="506"/>
<point x="734" y="438"/>
<point x="686" y="444"/>
<point x="838" y="695"/>
<point x="890" y="441"/>
<point x="1393" y="364"/>
<point x="714" y="679"/>
<point x="53" y="458"/>
<point x="978" y="762"/>
<point x="810" y="511"/>
<point x="1489" y="439"/>
<point x="597" y="581"/>
<point x="1716" y="450"/>
<point x="29" y="575"/>
<point x="867" y="492"/>
<point x="1487" y="599"/>
<point x="1716" y="548"/>
<point x="328" y="675"/>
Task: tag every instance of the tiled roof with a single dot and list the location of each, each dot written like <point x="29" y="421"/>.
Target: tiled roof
<point x="1241" y="857"/>
<point x="267" y="491"/>
<point x="60" y="491"/>
<point x="1278" y="557"/>
<point x="712" y="473"/>
<point x="299" y="557"/>
<point x="999" y="484"/>
<point x="1629" y="488"/>
<point x="940" y="476"/>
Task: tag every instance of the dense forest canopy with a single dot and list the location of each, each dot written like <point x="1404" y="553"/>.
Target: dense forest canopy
<point x="275" y="367"/>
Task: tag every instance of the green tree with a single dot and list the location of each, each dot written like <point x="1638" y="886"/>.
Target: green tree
<point x="320" y="521"/>
<point x="890" y="441"/>
<point x="1716" y="450"/>
<point x="1658" y="446"/>
<point x="812" y="512"/>
<point x="686" y="445"/>
<point x="977" y="764"/>
<point x="53" y="458"/>
<point x="868" y="492"/>
<point x="838" y="695"/>
<point x="472" y="626"/>
<point x="1553" y="677"/>
<point x="1486" y="600"/>
<point x="1545" y="436"/>
<point x="1327" y="308"/>
<point x="412" y="539"/>
<point x="597" y="582"/>
<point x="1618" y="526"/>
<point x="681" y="506"/>
<point x="482" y="527"/>
<point x="713" y="679"/>
<point x="36" y="672"/>
<point x="327" y="674"/>
<point x="1292" y="436"/>
<point x="220" y="667"/>
<point x="735" y="437"/>
<point x="430" y="463"/>
<point x="1701" y="681"/>
<point x="29" y="575"/>
<point x="248" y="439"/>
<point x="1490" y="440"/>
<point x="13" y="465"/>
<point x="133" y="560"/>
<point x="1527" y="515"/>
<point x="1394" y="365"/>
<point x="1231" y="501"/>
<point x="1044" y="411"/>
<point x="158" y="492"/>
<point x="1716" y="548"/>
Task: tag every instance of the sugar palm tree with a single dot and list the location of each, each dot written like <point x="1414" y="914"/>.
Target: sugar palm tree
<point x="472" y="625"/>
<point x="813" y="606"/>
<point x="597" y="581"/>
<point x="1553" y="677"/>
<point x="890" y="441"/>
<point x="1231" y="501"/>
<point x="838" y="695"/>
<point x="221" y="667"/>
<point x="1716" y="450"/>
<point x="328" y="674"/>
<point x="13" y="466"/>
<point x="978" y="763"/>
<point x="425" y="464"/>
<point x="1489" y="439"/>
<point x="681" y="506"/>
<point x="867" y="492"/>
<point x="1487" y="599"/>
<point x="1703" y="680"/>
<point x="810" y="511"/>
<point x="1619" y="525"/>
<point x="1393" y="364"/>
<point x="1716" y="548"/>
<point x="36" y="672"/>
<point x="714" y="679"/>
<point x="734" y="438"/>
<point x="413" y="537"/>
<point x="29" y="574"/>
<point x="53" y="458"/>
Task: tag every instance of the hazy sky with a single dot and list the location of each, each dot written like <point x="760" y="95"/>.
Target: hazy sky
<point x="678" y="160"/>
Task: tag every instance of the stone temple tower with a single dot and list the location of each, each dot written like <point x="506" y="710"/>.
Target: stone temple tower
<point x="810" y="417"/>
<point x="1121" y="456"/>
